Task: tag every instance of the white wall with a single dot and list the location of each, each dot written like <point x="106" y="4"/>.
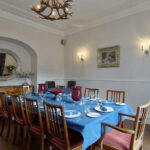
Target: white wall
<point x="49" y="51"/>
<point x="133" y="75"/>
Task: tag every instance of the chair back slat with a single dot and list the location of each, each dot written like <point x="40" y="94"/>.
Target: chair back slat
<point x="116" y="96"/>
<point x="4" y="102"/>
<point x="142" y="113"/>
<point x="141" y="116"/>
<point x="53" y="120"/>
<point x="18" y="107"/>
<point x="33" y="112"/>
<point x="89" y="90"/>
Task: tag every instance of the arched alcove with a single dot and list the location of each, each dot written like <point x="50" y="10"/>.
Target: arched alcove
<point x="27" y="57"/>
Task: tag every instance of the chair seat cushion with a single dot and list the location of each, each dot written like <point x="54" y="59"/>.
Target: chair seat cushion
<point x="118" y="139"/>
<point x="36" y="128"/>
<point x="75" y="139"/>
<point x="19" y="120"/>
<point x="5" y="114"/>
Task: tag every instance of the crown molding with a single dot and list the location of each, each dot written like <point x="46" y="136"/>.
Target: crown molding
<point x="131" y="11"/>
<point x="28" y="22"/>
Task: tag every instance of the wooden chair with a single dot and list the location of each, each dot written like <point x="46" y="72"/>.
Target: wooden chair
<point x="70" y="84"/>
<point x="6" y="114"/>
<point x="58" y="136"/>
<point x="34" y="119"/>
<point x="87" y="91"/>
<point x="20" y="118"/>
<point x="50" y="84"/>
<point x="124" y="139"/>
<point x="116" y="96"/>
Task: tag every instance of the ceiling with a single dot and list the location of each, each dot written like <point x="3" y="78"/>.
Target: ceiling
<point x="86" y="13"/>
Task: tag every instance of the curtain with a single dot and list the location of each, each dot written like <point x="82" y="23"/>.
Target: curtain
<point x="2" y="63"/>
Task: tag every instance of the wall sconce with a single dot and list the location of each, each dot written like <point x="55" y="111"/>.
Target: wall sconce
<point x="145" y="48"/>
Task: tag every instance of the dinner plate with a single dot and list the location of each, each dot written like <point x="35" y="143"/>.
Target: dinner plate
<point x="109" y="109"/>
<point x="119" y="103"/>
<point x="71" y="113"/>
<point x="93" y="114"/>
<point x="92" y="99"/>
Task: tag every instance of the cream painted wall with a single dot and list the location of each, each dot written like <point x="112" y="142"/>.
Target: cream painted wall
<point x="133" y="75"/>
<point x="50" y="53"/>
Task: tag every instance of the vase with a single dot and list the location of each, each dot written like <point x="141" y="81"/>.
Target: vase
<point x="76" y="93"/>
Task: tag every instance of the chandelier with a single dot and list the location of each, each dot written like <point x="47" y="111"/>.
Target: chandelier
<point x="53" y="9"/>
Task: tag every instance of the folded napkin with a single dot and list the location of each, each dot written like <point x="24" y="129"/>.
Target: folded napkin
<point x="55" y="91"/>
<point x="103" y="108"/>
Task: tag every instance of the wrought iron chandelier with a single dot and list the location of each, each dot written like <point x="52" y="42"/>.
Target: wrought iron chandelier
<point x="53" y="9"/>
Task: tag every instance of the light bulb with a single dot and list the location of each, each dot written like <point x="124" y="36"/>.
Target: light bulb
<point x="38" y="6"/>
<point x="66" y="9"/>
<point x="53" y="13"/>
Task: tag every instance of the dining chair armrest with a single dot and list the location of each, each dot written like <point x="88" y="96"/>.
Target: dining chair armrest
<point x="132" y="116"/>
<point x="121" y="123"/>
<point x="128" y="131"/>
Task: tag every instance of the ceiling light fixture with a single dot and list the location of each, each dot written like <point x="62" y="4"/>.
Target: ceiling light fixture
<point x="53" y="9"/>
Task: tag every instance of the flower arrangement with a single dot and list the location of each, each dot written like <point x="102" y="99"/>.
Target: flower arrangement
<point x="10" y="67"/>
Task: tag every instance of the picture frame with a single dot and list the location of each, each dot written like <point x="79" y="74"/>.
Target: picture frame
<point x="108" y="57"/>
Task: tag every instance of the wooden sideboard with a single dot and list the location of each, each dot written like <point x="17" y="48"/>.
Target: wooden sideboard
<point x="16" y="89"/>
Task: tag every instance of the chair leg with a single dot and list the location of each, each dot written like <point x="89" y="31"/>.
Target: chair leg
<point x="15" y="132"/>
<point x="29" y="141"/>
<point x="24" y="137"/>
<point x="141" y="148"/>
<point x="92" y="147"/>
<point x="8" y="129"/>
<point x="2" y="126"/>
<point x="42" y="142"/>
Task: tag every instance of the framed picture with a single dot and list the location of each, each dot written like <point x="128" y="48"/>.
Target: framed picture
<point x="108" y="57"/>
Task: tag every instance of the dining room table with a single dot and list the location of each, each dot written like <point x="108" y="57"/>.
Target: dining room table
<point x="85" y="116"/>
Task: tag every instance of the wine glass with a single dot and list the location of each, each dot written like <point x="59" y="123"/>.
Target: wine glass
<point x="92" y="95"/>
<point x="41" y="94"/>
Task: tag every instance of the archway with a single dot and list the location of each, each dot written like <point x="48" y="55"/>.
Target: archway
<point x="21" y="48"/>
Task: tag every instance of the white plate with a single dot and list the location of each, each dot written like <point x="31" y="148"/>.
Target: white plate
<point x="92" y="99"/>
<point x="109" y="109"/>
<point x="71" y="115"/>
<point x="118" y="103"/>
<point x="93" y="114"/>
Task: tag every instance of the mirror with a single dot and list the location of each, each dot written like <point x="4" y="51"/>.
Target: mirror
<point x="9" y="64"/>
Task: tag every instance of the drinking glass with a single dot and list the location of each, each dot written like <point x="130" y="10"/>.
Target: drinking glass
<point x="86" y="109"/>
<point x="41" y="94"/>
<point x="92" y="95"/>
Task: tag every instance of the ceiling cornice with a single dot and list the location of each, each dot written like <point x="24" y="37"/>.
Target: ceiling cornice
<point x="137" y="9"/>
<point x="28" y="22"/>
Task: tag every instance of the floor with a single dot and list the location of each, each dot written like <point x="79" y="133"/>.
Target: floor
<point x="5" y="145"/>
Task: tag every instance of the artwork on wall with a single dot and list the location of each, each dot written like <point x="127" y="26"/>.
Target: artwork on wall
<point x="108" y="57"/>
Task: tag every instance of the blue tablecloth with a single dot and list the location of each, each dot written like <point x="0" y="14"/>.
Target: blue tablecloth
<point x="90" y="128"/>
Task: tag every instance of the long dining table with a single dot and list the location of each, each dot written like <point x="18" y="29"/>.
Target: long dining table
<point x="89" y="127"/>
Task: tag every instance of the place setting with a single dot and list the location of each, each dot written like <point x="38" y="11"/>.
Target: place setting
<point x="71" y="113"/>
<point x="103" y="109"/>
